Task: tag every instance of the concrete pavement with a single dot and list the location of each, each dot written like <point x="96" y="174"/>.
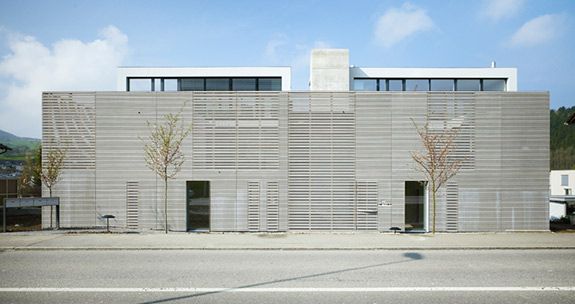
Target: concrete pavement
<point x="66" y="240"/>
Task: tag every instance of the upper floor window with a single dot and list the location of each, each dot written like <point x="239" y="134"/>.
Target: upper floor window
<point x="429" y="84"/>
<point x="565" y="180"/>
<point x="203" y="84"/>
<point x="365" y="84"/>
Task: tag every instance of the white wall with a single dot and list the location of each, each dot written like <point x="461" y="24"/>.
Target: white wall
<point x="557" y="210"/>
<point x="555" y="187"/>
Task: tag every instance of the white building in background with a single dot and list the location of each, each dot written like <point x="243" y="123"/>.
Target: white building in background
<point x="561" y="185"/>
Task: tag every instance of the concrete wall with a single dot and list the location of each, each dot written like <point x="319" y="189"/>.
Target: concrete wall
<point x="329" y="70"/>
<point x="330" y="158"/>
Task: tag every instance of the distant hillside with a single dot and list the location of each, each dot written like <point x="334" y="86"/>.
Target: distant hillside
<point x="562" y="140"/>
<point x="20" y="146"/>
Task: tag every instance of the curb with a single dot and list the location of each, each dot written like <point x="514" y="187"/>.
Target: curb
<point x="3" y="249"/>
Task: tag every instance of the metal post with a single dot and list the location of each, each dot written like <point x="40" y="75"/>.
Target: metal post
<point x="4" y="215"/>
<point x="58" y="215"/>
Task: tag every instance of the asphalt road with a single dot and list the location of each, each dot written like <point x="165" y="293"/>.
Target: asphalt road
<point x="188" y="276"/>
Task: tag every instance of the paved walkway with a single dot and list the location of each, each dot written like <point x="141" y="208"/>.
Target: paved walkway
<point x="65" y="240"/>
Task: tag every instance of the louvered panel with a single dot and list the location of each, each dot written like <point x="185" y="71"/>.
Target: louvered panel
<point x="447" y="110"/>
<point x="253" y="206"/>
<point x="452" y="207"/>
<point x="236" y="131"/>
<point x="258" y="131"/>
<point x="366" y="205"/>
<point x="69" y="124"/>
<point x="321" y="161"/>
<point x="214" y="130"/>
<point x="272" y="206"/>
<point x="132" y="199"/>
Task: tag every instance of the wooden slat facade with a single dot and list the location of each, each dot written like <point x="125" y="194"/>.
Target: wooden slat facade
<point x="309" y="161"/>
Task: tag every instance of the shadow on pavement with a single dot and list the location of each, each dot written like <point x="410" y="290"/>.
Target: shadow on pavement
<point x="411" y="256"/>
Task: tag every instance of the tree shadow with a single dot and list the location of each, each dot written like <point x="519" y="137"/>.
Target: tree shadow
<point x="411" y="256"/>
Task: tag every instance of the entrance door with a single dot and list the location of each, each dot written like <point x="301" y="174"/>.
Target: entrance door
<point x="415" y="211"/>
<point x="198" y="202"/>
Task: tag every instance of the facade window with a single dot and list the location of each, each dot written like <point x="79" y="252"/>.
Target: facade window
<point x="365" y="84"/>
<point x="442" y="85"/>
<point x="192" y="84"/>
<point x="565" y="180"/>
<point x="417" y="85"/>
<point x="494" y="85"/>
<point x="244" y="84"/>
<point x="170" y="84"/>
<point x="468" y="85"/>
<point x="157" y="84"/>
<point x="395" y="85"/>
<point x="204" y="84"/>
<point x="217" y="84"/>
<point x="140" y="84"/>
<point x="269" y="84"/>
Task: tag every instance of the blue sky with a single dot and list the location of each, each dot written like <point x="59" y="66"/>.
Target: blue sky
<point x="76" y="45"/>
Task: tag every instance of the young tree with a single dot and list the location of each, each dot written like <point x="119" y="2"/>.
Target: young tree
<point x="163" y="151"/>
<point x="436" y="161"/>
<point x="52" y="168"/>
<point x="30" y="181"/>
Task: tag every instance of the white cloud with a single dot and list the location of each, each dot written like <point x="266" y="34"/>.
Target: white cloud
<point x="396" y="24"/>
<point x="32" y="67"/>
<point x="538" y="31"/>
<point x="496" y="10"/>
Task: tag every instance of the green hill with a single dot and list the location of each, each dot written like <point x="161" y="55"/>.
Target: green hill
<point x="562" y="141"/>
<point x="20" y="146"/>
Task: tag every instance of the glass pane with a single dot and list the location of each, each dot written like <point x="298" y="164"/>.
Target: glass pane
<point x="198" y="197"/>
<point x="414" y="205"/>
<point x="217" y="84"/>
<point x="170" y="85"/>
<point x="365" y="84"/>
<point x="140" y="84"/>
<point x="414" y="85"/>
<point x="565" y="180"/>
<point x="269" y="84"/>
<point x="243" y="84"/>
<point x="192" y="84"/>
<point x="494" y="85"/>
<point x="442" y="84"/>
<point x="395" y="85"/>
<point x="157" y="84"/>
<point x="468" y="85"/>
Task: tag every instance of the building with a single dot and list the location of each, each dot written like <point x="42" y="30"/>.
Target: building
<point x="334" y="158"/>
<point x="561" y="185"/>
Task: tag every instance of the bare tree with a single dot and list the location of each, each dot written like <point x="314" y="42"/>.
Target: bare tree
<point x="52" y="167"/>
<point x="436" y="161"/>
<point x="163" y="151"/>
<point x="50" y="170"/>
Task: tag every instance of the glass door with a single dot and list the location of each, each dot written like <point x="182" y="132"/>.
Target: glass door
<point x="415" y="206"/>
<point x="198" y="205"/>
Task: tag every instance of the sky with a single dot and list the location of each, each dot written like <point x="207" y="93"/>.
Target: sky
<point x="77" y="45"/>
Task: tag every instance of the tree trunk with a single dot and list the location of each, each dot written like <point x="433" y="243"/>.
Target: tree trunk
<point x="51" y="210"/>
<point x="434" y="213"/>
<point x="433" y="193"/>
<point x="166" y="201"/>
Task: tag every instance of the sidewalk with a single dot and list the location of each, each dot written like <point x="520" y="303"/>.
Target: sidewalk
<point x="65" y="240"/>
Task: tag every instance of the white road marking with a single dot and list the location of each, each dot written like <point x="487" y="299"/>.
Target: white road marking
<point x="286" y="289"/>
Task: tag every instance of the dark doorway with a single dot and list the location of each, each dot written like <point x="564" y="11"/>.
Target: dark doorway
<point x="415" y="212"/>
<point x="198" y="202"/>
